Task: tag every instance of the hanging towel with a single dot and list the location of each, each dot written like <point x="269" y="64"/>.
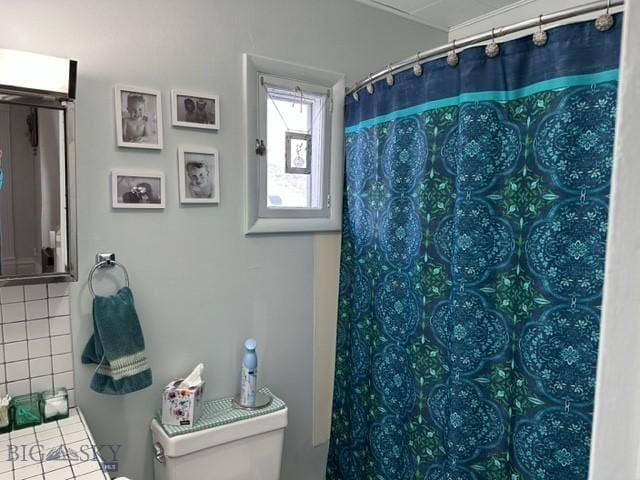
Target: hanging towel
<point x="117" y="346"/>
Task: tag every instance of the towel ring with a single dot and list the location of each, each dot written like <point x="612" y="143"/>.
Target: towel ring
<point x="102" y="264"/>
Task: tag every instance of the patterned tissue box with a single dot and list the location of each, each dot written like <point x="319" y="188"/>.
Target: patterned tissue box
<point x="181" y="406"/>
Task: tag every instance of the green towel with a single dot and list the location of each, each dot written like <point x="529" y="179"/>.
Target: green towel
<point x="117" y="346"/>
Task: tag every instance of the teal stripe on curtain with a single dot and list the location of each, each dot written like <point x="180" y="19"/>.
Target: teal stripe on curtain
<point x="503" y="96"/>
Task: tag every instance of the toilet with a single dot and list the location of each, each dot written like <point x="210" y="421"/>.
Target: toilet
<point x="249" y="449"/>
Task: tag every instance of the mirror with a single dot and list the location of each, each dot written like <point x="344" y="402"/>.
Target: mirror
<point x="37" y="152"/>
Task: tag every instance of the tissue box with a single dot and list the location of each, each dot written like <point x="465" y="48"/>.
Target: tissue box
<point x="181" y="406"/>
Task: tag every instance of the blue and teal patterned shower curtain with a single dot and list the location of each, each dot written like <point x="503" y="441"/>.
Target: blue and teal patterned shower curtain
<point x="472" y="265"/>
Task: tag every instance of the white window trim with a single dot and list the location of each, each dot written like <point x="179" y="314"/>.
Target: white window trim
<point x="252" y="65"/>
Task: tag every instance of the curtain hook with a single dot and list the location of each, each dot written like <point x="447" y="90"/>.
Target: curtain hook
<point x="370" y="87"/>
<point x="452" y="56"/>
<point x="389" y="77"/>
<point x="540" y="37"/>
<point x="605" y="21"/>
<point x="492" y="49"/>
<point x="417" y="68"/>
<point x="356" y="96"/>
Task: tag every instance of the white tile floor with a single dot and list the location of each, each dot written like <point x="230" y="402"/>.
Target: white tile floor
<point x="59" y="450"/>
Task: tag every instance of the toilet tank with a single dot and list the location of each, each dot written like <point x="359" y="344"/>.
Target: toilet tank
<point x="249" y="449"/>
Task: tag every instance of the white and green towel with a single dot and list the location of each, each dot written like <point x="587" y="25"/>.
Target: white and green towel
<point x="117" y="346"/>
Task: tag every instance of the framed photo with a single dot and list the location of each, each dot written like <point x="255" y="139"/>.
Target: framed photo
<point x="195" y="110"/>
<point x="199" y="175"/>
<point x="297" y="153"/>
<point x="138" y="117"/>
<point x="133" y="189"/>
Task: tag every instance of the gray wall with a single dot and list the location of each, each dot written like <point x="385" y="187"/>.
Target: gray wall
<point x="201" y="286"/>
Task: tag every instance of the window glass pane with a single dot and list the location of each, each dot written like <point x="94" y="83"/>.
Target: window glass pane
<point x="294" y="131"/>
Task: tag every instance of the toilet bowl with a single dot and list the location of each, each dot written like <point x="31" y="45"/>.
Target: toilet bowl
<point x="249" y="449"/>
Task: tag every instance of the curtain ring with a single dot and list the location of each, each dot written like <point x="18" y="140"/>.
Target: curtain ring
<point x="540" y="37"/>
<point x="452" y="56"/>
<point x="370" y="87"/>
<point x="389" y="77"/>
<point x="492" y="49"/>
<point x="417" y="68"/>
<point x="605" y="21"/>
<point x="356" y="96"/>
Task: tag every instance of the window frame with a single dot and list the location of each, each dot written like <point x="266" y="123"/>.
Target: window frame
<point x="259" y="218"/>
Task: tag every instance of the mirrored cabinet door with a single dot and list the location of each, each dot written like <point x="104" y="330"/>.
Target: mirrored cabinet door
<point x="33" y="203"/>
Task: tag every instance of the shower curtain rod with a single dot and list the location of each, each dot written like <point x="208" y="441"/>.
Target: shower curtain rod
<point x="483" y="37"/>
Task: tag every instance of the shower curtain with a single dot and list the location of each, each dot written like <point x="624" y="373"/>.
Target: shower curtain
<point x="472" y="265"/>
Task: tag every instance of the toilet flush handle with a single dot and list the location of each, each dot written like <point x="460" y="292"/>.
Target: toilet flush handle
<point x="159" y="452"/>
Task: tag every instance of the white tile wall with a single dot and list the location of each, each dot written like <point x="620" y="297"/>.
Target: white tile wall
<point x="35" y="340"/>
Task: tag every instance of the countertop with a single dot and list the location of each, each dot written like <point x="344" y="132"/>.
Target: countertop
<point x="58" y="450"/>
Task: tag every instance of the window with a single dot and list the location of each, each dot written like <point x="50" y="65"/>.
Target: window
<point x="294" y="147"/>
<point x="293" y="125"/>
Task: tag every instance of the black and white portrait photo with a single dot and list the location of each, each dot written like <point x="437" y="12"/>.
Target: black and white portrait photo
<point x="138" y="117"/>
<point x="195" y="110"/>
<point x="137" y="189"/>
<point x="198" y="172"/>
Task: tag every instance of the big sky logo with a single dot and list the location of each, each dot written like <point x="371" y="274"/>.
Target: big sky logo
<point x="105" y="455"/>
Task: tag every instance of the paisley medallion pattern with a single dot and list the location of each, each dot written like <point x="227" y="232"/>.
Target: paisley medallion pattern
<point x="358" y="419"/>
<point x="360" y="223"/>
<point x="400" y="233"/>
<point x="469" y="330"/>
<point x="361" y="298"/>
<point x="574" y="142"/>
<point x="471" y="422"/>
<point x="560" y="351"/>
<point x="554" y="445"/>
<point x="566" y="249"/>
<point x="387" y="439"/>
<point x="393" y="379"/>
<point x="361" y="161"/>
<point x="350" y="465"/>
<point x="360" y="355"/>
<point x="449" y="472"/>
<point x="482" y="147"/>
<point x="405" y="155"/>
<point x="396" y="308"/>
<point x="474" y="241"/>
<point x="472" y="268"/>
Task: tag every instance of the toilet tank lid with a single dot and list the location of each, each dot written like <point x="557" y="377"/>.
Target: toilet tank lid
<point x="220" y="422"/>
<point x="221" y="411"/>
<point x="211" y="437"/>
